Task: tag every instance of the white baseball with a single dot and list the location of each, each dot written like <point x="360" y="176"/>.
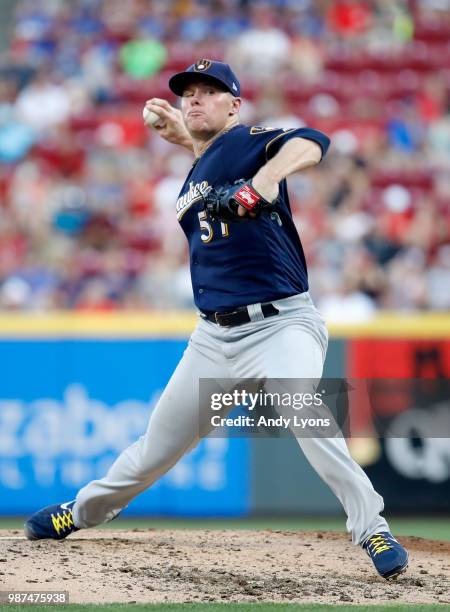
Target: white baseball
<point x="150" y="117"/>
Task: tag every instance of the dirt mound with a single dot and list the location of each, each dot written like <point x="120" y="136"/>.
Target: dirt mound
<point x="146" y="565"/>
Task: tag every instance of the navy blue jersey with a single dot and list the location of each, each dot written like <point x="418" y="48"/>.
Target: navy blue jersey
<point x="259" y="260"/>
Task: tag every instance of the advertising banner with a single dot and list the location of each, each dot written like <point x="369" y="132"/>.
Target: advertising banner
<point x="408" y="460"/>
<point x="69" y="407"/>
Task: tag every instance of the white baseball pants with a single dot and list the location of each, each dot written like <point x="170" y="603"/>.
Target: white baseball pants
<point x="290" y="345"/>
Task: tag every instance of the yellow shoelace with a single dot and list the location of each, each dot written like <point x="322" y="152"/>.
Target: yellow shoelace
<point x="379" y="543"/>
<point x="62" y="521"/>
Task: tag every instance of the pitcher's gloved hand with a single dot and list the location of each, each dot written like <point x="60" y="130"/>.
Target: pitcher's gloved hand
<point x="223" y="203"/>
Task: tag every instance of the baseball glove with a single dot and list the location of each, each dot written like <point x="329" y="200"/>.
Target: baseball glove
<point x="222" y="203"/>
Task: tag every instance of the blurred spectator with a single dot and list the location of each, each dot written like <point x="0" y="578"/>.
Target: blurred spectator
<point x="142" y="57"/>
<point x="437" y="281"/>
<point x="349" y="17"/>
<point x="43" y="104"/>
<point x="261" y="52"/>
<point x="406" y="276"/>
<point x="16" y="138"/>
<point x="307" y="59"/>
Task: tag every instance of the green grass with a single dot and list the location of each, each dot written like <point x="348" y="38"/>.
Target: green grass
<point x="435" y="528"/>
<point x="230" y="607"/>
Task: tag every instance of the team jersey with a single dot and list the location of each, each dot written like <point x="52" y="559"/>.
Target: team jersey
<point x="239" y="263"/>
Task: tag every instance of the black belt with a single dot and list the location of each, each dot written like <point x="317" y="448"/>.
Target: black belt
<point x="238" y="316"/>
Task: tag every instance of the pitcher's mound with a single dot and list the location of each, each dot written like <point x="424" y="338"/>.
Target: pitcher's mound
<point x="146" y="565"/>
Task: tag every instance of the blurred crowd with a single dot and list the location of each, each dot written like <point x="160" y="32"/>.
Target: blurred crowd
<point x="87" y="193"/>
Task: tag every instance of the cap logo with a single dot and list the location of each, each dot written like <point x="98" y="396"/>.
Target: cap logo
<point x="202" y="64"/>
<point x="234" y="86"/>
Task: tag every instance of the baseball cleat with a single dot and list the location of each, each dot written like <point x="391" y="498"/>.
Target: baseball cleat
<point x="54" y="522"/>
<point x="388" y="556"/>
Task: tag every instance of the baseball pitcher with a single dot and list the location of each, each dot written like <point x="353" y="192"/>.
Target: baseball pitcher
<point x="256" y="318"/>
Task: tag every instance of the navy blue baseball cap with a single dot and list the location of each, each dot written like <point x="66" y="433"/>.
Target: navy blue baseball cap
<point x="209" y="69"/>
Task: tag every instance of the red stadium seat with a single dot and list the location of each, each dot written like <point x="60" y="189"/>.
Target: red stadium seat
<point x="411" y="179"/>
<point x="132" y="90"/>
<point x="431" y="32"/>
